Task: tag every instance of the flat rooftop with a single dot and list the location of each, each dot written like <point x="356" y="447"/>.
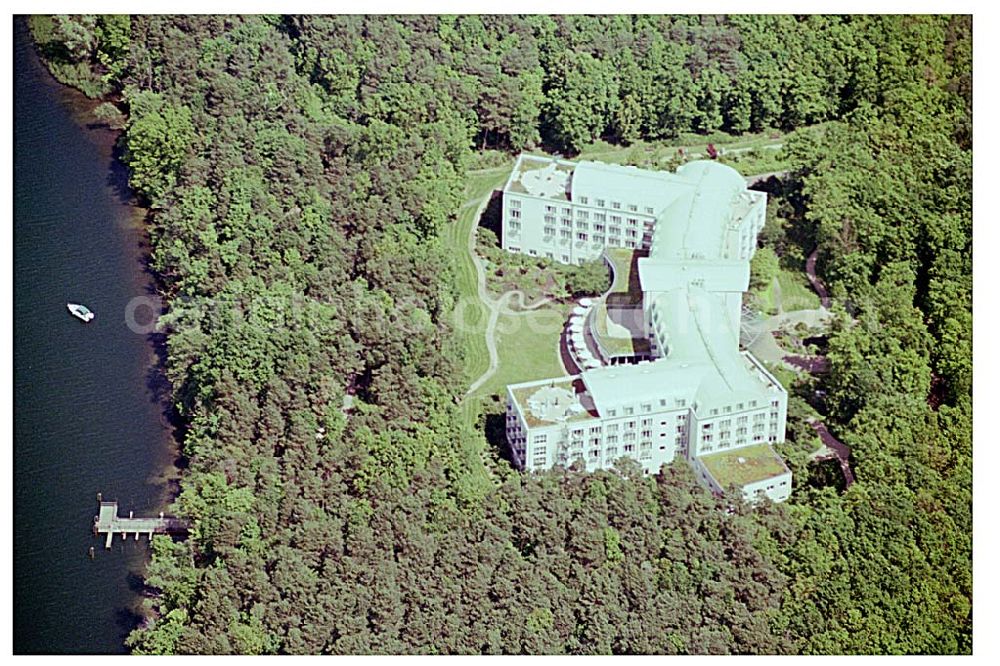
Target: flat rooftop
<point x="744" y="465"/>
<point x="615" y="386"/>
<point x="542" y="177"/>
<point x="554" y="401"/>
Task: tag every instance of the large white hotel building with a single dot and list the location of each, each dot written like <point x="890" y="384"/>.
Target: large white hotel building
<point x="681" y="386"/>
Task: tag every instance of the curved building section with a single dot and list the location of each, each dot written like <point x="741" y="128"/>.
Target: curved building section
<point x="699" y="396"/>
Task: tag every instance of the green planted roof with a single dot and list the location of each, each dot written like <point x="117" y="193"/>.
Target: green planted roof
<point x="747" y="464"/>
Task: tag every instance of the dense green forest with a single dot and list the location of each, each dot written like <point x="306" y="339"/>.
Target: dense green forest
<point x="300" y="171"/>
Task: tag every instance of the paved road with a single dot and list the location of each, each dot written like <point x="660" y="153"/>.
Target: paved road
<point x="834" y="450"/>
<point x="817" y="284"/>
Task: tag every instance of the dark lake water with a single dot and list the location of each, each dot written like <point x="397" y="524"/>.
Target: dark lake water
<point x="86" y="417"/>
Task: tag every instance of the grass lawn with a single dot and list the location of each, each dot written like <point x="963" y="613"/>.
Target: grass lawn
<point x="528" y="347"/>
<point x="749" y="154"/>
<point x="626" y="269"/>
<point x="664" y="150"/>
<point x="524" y="353"/>
<point x="526" y="343"/>
<point x="625" y="294"/>
<point x="615" y="346"/>
<point x="796" y="293"/>
<point x="784" y="376"/>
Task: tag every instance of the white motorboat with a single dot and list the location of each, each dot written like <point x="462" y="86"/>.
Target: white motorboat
<point x="81" y="312"/>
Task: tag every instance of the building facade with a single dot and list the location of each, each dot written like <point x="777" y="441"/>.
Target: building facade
<point x="694" y="394"/>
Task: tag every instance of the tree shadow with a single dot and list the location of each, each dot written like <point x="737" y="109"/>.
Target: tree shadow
<point x="827" y="473"/>
<point x="118" y="174"/>
<point x="136" y="584"/>
<point x="814" y="365"/>
<point x="127" y="620"/>
<point x="785" y="194"/>
<point x="53" y="51"/>
<point x="492" y="217"/>
<point x="495" y="430"/>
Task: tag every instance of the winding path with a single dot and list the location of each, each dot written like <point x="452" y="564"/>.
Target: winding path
<point x="496" y="306"/>
<point x="765" y="348"/>
<point x="484" y="297"/>
<point x="517" y="294"/>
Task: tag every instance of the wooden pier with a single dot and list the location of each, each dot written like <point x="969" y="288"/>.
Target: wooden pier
<point x="107" y="521"/>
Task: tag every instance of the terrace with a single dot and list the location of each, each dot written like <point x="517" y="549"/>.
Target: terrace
<point x="744" y="465"/>
<point x="625" y="265"/>
<point x="556" y="401"/>
<point x="544" y="178"/>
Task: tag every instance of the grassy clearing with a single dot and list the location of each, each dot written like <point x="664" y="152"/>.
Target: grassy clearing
<point x="766" y="300"/>
<point x="690" y="143"/>
<point x="526" y="342"/>
<point x="796" y="292"/>
<point x="527" y="349"/>
<point x="471" y="315"/>
<point x="749" y="154"/>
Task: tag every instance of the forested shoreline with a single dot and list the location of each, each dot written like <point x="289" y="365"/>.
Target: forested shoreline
<point x="300" y="172"/>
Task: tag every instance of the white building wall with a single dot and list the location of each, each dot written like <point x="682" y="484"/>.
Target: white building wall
<point x="777" y="488"/>
<point x="655" y="438"/>
<point x="538" y="227"/>
<point x="524" y="230"/>
<point x="715" y="429"/>
<point x="650" y="438"/>
<point x="734" y="308"/>
<point x="543" y="444"/>
<point x="590" y="208"/>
